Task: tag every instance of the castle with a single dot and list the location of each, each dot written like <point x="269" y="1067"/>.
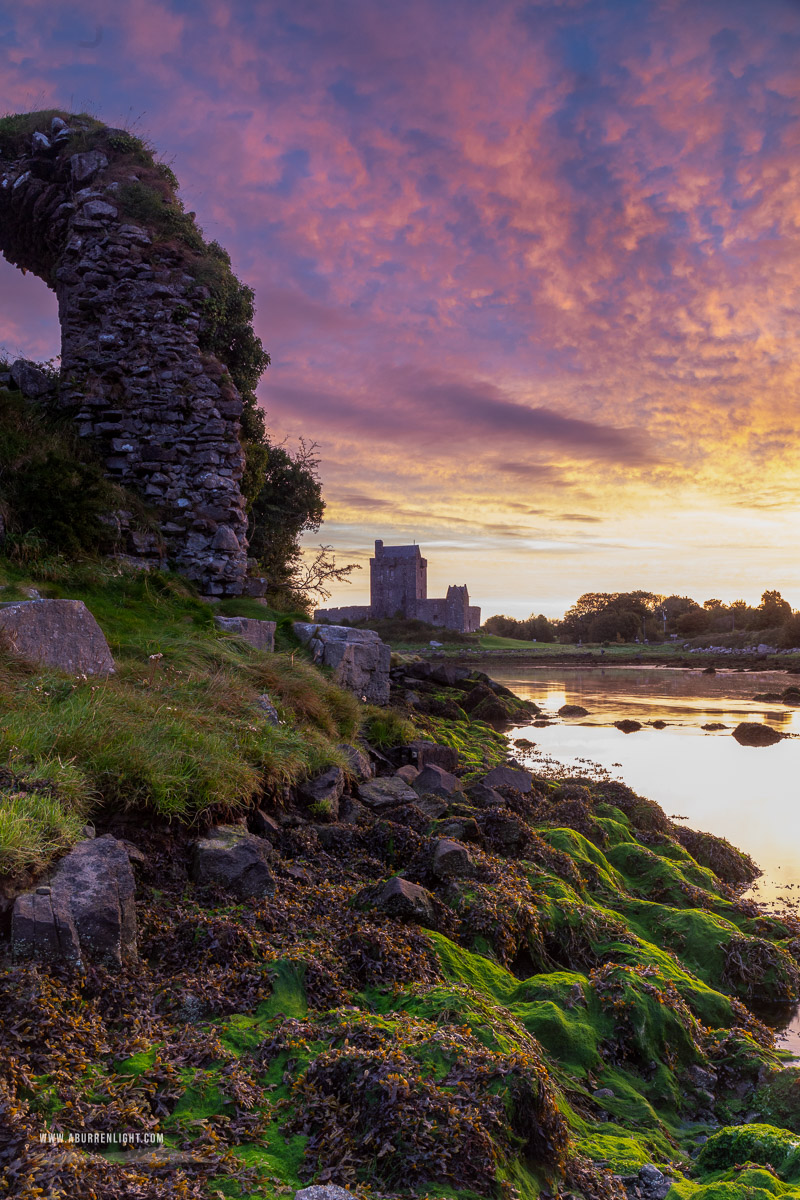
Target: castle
<point x="398" y="579"/>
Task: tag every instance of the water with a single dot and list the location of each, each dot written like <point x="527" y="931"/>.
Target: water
<point x="747" y="794"/>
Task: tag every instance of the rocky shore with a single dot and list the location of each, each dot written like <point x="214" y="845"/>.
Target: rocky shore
<point x="423" y="971"/>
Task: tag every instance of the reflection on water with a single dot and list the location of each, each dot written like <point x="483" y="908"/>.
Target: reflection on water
<point x="747" y="794"/>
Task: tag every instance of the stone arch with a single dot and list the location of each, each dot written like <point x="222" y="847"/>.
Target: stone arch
<point x="85" y="207"/>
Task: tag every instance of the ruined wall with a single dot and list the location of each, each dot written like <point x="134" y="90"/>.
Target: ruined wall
<point x="131" y="309"/>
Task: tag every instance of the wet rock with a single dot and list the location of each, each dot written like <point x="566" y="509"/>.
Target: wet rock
<point x="653" y="1184"/>
<point x="451" y="860"/>
<point x="259" y="634"/>
<point x="750" y="733"/>
<point x="573" y="710"/>
<point x="506" y="833"/>
<point x="322" y="793"/>
<point x="234" y="859"/>
<point x="510" y="777"/>
<point x="61" y="634"/>
<point x="628" y="726"/>
<point x="713" y="726"/>
<point x="87" y="911"/>
<point x="435" y="781"/>
<point x="358" y="763"/>
<point x="385" y="793"/>
<point x="408" y="901"/>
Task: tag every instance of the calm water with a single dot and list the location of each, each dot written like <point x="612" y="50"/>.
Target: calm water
<point x="748" y="794"/>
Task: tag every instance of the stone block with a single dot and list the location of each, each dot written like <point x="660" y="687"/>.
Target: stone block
<point x="260" y="634"/>
<point x="61" y="634"/>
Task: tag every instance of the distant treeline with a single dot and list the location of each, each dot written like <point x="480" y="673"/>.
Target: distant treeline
<point x="645" y="616"/>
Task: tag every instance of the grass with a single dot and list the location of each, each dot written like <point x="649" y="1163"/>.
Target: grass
<point x="176" y="732"/>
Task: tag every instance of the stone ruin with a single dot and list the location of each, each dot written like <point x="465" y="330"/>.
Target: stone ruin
<point x="166" y="413"/>
<point x="398" y="583"/>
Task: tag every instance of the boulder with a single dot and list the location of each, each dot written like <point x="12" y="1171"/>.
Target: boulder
<point x="573" y="710"/>
<point x="483" y="796"/>
<point x="358" y="658"/>
<point x="234" y="859"/>
<point x="506" y="833"/>
<point x="358" y="763"/>
<point x="405" y="900"/>
<point x="713" y="726"/>
<point x="451" y="860"/>
<point x="264" y="826"/>
<point x="420" y="753"/>
<point x="460" y="829"/>
<point x="628" y="726"/>
<point x="510" y="777"/>
<point x="61" y="634"/>
<point x="434" y="781"/>
<point x="752" y="733"/>
<point x="85" y="166"/>
<point x="260" y="634"/>
<point x="323" y="792"/>
<point x="30" y="379"/>
<point x="407" y="773"/>
<point x="85" y="913"/>
<point x="385" y="793"/>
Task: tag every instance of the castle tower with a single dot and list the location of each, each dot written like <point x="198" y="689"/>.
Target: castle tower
<point x="398" y="579"/>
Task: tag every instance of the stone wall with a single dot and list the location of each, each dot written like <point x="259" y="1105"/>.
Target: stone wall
<point x="132" y="371"/>
<point x="351" y="613"/>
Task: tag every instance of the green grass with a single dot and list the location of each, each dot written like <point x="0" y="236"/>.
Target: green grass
<point x="179" y="735"/>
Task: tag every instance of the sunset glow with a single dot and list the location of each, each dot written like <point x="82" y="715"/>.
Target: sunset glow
<point x="529" y="273"/>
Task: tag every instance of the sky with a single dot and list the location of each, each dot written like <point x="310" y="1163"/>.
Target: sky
<point x="528" y="272"/>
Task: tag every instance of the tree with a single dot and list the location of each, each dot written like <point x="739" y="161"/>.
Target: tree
<point x="693" y="622"/>
<point x="773" y="610"/>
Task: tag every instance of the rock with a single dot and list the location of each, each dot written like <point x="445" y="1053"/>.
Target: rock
<point x="435" y="781"/>
<point x="483" y="796"/>
<point x="264" y="702"/>
<point x="358" y="658"/>
<point x="86" y="914"/>
<point x="748" y="733"/>
<point x="385" y="793"/>
<point x="506" y="833"/>
<point x="706" y="671"/>
<point x="259" y="634"/>
<point x="40" y="143"/>
<point x="61" y="634"/>
<point x="57" y="125"/>
<point x="603" y="1094"/>
<point x="510" y="777"/>
<point x="322" y="793"/>
<point x="324" y="1191"/>
<point x="225" y="539"/>
<point x="628" y="726"/>
<point x="432" y="807"/>
<point x="405" y="900"/>
<point x="713" y="726"/>
<point x="460" y="829"/>
<point x="653" y="1184"/>
<point x="31" y="380"/>
<point x="451" y="860"/>
<point x="573" y="710"/>
<point x="98" y="210"/>
<point x="358" y="763"/>
<point x="264" y="826"/>
<point x="420" y="753"/>
<point x="407" y="773"/>
<point x="84" y="167"/>
<point x="234" y="859"/>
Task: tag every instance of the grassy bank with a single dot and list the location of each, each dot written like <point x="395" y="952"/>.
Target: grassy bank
<point x="176" y="733"/>
<point x="573" y="1007"/>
